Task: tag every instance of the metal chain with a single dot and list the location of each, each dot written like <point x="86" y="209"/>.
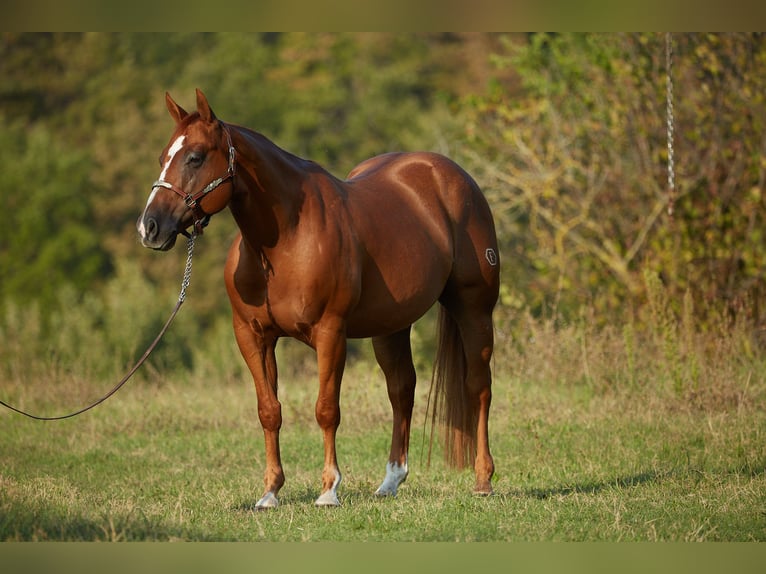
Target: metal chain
<point x="188" y="269"/>
<point x="670" y="122"/>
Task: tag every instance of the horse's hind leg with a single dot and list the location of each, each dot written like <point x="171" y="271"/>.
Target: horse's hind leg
<point x="474" y="320"/>
<point x="470" y="297"/>
<point x="394" y="355"/>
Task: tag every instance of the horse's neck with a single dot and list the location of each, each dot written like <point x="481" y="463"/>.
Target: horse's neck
<point x="269" y="188"/>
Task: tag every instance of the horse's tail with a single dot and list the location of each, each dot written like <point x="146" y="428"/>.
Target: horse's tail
<point x="448" y="399"/>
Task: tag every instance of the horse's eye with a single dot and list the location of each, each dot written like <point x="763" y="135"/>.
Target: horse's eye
<point x="195" y="159"/>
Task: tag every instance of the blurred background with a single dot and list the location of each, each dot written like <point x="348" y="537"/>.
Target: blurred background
<point x="565" y="133"/>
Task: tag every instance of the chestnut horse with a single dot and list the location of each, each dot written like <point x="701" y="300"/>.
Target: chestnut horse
<point x="321" y="259"/>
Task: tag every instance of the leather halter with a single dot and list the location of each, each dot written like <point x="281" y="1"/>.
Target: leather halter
<point x="201" y="219"/>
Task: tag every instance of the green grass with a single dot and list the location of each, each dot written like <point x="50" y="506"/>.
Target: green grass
<point x="183" y="460"/>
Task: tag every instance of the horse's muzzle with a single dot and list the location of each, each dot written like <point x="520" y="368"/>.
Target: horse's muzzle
<point x="153" y="236"/>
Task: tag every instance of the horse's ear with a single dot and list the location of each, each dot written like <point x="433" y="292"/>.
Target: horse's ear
<point x="204" y="108"/>
<point x="175" y="110"/>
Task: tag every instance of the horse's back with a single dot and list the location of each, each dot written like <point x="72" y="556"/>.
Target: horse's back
<point x="430" y="176"/>
<point x="401" y="195"/>
<point x="429" y="190"/>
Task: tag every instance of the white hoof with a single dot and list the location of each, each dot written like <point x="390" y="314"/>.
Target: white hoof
<point x="395" y="475"/>
<point x="328" y="498"/>
<point x="269" y="500"/>
<point x="385" y="490"/>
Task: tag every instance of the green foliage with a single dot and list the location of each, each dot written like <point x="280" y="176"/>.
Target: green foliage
<point x="565" y="133"/>
<point x="51" y="240"/>
<point x="575" y="165"/>
<point x="97" y="336"/>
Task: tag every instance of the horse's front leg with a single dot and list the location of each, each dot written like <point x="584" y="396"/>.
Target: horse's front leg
<point x="330" y="342"/>
<point x="259" y="355"/>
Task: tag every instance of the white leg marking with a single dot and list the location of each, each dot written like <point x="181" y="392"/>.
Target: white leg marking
<point x="395" y="475"/>
<point x="269" y="500"/>
<point x="330" y="496"/>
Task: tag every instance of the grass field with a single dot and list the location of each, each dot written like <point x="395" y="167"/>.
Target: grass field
<point x="592" y="450"/>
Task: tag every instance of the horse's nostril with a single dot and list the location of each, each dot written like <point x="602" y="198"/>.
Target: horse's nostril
<point x="152" y="229"/>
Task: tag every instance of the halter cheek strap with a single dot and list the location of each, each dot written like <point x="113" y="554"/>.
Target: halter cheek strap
<point x="192" y="201"/>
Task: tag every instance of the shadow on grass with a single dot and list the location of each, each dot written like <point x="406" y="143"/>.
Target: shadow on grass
<point x="363" y="493"/>
<point x="286" y="497"/>
<point x="19" y="523"/>
<point x="306" y="497"/>
<point x="649" y="477"/>
<point x="596" y="487"/>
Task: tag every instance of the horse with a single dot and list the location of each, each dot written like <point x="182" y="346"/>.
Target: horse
<point x="322" y="260"/>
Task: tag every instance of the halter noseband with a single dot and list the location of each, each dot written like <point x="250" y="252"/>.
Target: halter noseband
<point x="201" y="219"/>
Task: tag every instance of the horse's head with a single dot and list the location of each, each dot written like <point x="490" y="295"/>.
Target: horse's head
<point x="196" y="180"/>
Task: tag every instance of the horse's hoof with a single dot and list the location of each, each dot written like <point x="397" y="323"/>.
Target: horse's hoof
<point x="269" y="500"/>
<point x="383" y="492"/>
<point x="395" y="476"/>
<point x="328" y="498"/>
<point x="483" y="491"/>
<point x="483" y="488"/>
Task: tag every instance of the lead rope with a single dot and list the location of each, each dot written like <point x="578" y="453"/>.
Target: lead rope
<point x="181" y="298"/>
<point x="670" y="122"/>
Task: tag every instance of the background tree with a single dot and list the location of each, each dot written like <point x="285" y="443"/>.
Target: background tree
<point x="575" y="164"/>
<point x="565" y="133"/>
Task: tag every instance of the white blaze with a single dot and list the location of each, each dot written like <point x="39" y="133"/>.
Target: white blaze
<point x="174" y="149"/>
